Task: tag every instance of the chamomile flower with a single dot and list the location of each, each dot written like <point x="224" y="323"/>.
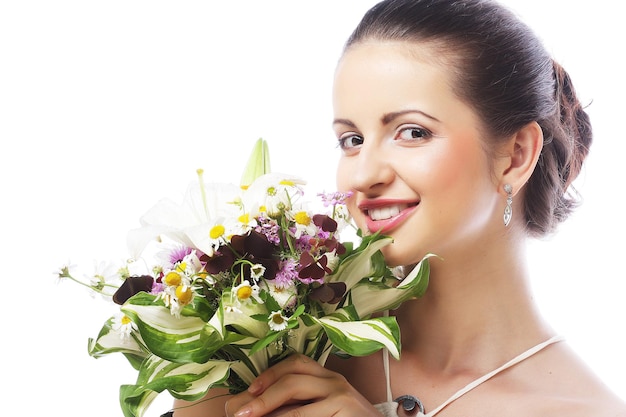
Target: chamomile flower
<point x="245" y="293"/>
<point x="179" y="297"/>
<point x="303" y="224"/>
<point x="123" y="325"/>
<point x="277" y="321"/>
<point x="245" y="222"/>
<point x="257" y="271"/>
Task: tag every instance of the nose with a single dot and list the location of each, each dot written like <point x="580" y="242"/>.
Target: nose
<point x="373" y="169"/>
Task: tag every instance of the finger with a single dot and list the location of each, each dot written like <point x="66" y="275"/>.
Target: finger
<point x="341" y="405"/>
<point x="236" y="402"/>
<point x="294" y="364"/>
<point x="289" y="389"/>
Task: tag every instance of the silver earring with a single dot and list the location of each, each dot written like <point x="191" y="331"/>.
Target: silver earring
<point x="508" y="210"/>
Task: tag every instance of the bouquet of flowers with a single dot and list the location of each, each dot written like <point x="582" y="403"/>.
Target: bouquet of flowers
<point x="236" y="278"/>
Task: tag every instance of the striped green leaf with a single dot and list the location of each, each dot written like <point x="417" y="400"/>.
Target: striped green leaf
<point x="369" y="298"/>
<point x="364" y="337"/>
<point x="359" y="265"/>
<point x="177" y="339"/>
<point x="109" y="341"/>
<point x="189" y="381"/>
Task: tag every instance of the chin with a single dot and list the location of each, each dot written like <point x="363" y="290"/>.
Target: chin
<point x="395" y="257"/>
<point x="403" y="254"/>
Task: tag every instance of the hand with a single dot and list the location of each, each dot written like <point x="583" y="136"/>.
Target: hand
<point x="238" y="401"/>
<point x="299" y="382"/>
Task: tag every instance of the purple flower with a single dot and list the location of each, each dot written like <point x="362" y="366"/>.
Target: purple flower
<point x="336" y="198"/>
<point x="270" y="229"/>
<point x="176" y="255"/>
<point x="157" y="288"/>
<point x="287" y="273"/>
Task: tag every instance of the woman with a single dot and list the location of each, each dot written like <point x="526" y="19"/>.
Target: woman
<point x="460" y="136"/>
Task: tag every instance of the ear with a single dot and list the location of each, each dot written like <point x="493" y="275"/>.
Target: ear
<point x="520" y="156"/>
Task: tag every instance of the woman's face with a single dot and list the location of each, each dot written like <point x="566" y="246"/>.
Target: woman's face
<point x="412" y="153"/>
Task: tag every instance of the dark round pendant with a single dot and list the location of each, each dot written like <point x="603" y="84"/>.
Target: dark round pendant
<point x="409" y="402"/>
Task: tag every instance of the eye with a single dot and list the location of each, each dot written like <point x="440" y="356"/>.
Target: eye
<point x="413" y="133"/>
<point x="350" y="141"/>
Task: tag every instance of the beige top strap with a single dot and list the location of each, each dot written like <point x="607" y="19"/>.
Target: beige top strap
<point x="386" y="367"/>
<point x="530" y="352"/>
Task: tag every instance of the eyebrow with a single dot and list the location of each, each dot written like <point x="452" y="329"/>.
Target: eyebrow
<point x="389" y="117"/>
<point x="394" y="115"/>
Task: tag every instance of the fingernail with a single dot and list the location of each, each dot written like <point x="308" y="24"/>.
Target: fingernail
<point x="244" y="412"/>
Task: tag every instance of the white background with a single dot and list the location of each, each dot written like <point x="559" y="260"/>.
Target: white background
<point x="107" y="106"/>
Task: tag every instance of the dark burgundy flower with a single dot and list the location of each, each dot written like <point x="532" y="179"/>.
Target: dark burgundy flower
<point x="330" y="293"/>
<point x="222" y="260"/>
<point x="132" y="286"/>
<point x="256" y="248"/>
<point x="324" y="222"/>
<point x="311" y="268"/>
<point x="333" y="244"/>
<point x="254" y="244"/>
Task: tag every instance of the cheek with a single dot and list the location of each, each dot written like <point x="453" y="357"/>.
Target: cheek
<point x="460" y="165"/>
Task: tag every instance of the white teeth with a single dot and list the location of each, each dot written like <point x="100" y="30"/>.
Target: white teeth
<point x="384" y="213"/>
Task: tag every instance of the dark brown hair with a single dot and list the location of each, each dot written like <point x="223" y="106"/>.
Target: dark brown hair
<point x="504" y="72"/>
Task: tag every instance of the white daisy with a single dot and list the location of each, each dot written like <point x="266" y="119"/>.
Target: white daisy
<point x="277" y="321"/>
<point x="303" y="223"/>
<point x="123" y="325"/>
<point x="244" y="293"/>
<point x="257" y="271"/>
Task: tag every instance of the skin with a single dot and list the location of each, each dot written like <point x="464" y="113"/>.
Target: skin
<point x="408" y="139"/>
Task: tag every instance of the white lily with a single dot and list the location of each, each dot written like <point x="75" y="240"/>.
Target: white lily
<point x="258" y="164"/>
<point x="201" y="205"/>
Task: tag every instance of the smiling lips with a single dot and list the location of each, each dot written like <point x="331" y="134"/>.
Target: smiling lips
<point x="383" y="217"/>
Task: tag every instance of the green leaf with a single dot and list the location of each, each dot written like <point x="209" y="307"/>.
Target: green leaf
<point x="371" y="297"/>
<point x="364" y="337"/>
<point x="258" y="163"/>
<point x="189" y="381"/>
<point x="358" y="265"/>
<point x="109" y="341"/>
<point x="177" y="339"/>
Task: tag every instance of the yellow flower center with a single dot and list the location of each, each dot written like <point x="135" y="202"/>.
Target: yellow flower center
<point x="278" y="319"/>
<point x="288" y="183"/>
<point x="183" y="295"/>
<point x="302" y="218"/>
<point x="172" y="278"/>
<point x="125" y="320"/>
<point x="217" y="231"/>
<point x="244" y="218"/>
<point x="244" y="292"/>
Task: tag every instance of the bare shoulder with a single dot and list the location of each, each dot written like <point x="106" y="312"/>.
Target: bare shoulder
<point x="559" y="383"/>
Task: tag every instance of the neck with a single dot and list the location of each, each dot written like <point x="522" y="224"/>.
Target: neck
<point x="477" y="313"/>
